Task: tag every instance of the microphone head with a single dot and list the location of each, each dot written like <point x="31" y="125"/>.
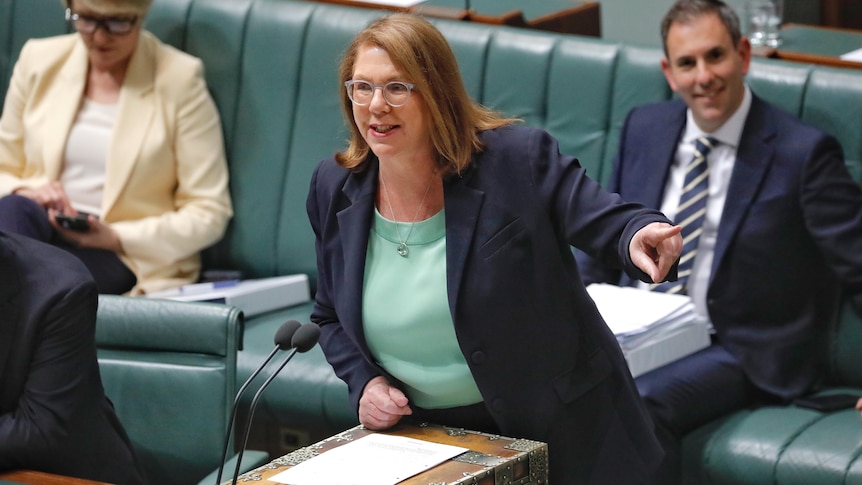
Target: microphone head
<point x="306" y="337"/>
<point x="284" y="335"/>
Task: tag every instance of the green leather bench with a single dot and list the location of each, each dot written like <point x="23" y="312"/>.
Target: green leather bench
<point x="271" y="66"/>
<point x="170" y="370"/>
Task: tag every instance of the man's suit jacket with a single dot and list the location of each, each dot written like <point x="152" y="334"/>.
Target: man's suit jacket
<point x="546" y="364"/>
<point x="166" y="191"/>
<point x="791" y="229"/>
<point x="54" y="415"/>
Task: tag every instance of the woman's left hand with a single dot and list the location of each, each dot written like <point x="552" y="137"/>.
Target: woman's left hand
<point x="382" y="405"/>
<point x="655" y="248"/>
<point x="98" y="236"/>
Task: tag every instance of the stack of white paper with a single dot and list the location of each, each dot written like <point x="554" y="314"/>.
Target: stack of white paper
<point x="375" y="459"/>
<point x="251" y="296"/>
<point x="653" y="328"/>
<point x="854" y="55"/>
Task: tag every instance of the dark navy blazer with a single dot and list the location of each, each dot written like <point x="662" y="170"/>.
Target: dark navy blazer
<point x="546" y="364"/>
<point x="54" y="415"/>
<point x="790" y="231"/>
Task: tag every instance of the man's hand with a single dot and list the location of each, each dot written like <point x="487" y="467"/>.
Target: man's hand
<point x="655" y="248"/>
<point x="382" y="405"/>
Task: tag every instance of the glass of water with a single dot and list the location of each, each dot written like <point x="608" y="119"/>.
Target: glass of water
<point x="764" y="22"/>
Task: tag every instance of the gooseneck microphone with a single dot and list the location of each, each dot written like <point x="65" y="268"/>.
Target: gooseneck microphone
<point x="303" y="340"/>
<point x="283" y="341"/>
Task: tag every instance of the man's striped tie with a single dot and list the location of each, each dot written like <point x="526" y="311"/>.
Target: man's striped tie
<point x="691" y="213"/>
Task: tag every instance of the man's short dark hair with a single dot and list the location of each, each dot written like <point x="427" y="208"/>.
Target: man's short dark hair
<point x="684" y="11"/>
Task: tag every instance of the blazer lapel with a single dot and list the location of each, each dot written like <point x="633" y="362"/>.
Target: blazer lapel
<point x="355" y="223"/>
<point x="665" y="152"/>
<point x="134" y="118"/>
<point x="463" y="205"/>
<point x="753" y="158"/>
<point x="72" y="78"/>
<point x="645" y="179"/>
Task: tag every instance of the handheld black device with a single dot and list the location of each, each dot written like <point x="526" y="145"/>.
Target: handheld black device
<point x="76" y="223"/>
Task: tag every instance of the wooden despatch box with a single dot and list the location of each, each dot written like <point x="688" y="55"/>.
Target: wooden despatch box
<point x="492" y="459"/>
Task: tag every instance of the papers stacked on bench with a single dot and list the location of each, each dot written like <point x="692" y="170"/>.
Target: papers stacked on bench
<point x="251" y="296"/>
<point x="653" y="328"/>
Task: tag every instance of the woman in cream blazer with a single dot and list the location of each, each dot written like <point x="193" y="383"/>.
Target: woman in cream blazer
<point x="165" y="194"/>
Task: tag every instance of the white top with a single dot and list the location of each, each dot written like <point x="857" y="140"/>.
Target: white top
<point x="83" y="175"/>
<point x="721" y="160"/>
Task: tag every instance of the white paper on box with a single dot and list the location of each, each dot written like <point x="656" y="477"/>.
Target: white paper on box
<point x="375" y="459"/>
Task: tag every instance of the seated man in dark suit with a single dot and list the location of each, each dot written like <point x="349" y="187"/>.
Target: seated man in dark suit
<point x="771" y="221"/>
<point x="54" y="416"/>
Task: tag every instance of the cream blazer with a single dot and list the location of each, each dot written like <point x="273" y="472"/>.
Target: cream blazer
<point x="166" y="187"/>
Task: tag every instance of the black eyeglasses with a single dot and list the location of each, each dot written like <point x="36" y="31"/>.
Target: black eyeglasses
<point x="395" y="93"/>
<point x="86" y="24"/>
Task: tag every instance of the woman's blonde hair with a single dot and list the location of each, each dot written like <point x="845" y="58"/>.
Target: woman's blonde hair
<point x="420" y="51"/>
<point x="111" y="7"/>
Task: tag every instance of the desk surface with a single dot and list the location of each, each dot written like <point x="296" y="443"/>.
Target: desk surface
<point x="581" y="17"/>
<point x="815" y="45"/>
<point x="525" y="462"/>
<point x="530" y="10"/>
<point x="820" y="41"/>
<point x="29" y="477"/>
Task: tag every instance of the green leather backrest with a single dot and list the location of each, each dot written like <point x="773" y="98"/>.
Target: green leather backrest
<point x="516" y="74"/>
<point x="844" y="348"/>
<point x="581" y="123"/>
<point x="637" y="81"/>
<point x="170" y="369"/>
<point x="215" y="33"/>
<point x="168" y="19"/>
<point x="530" y="9"/>
<point x="5" y="45"/>
<point x="265" y="117"/>
<point x="780" y="83"/>
<point x="21" y="20"/>
<point x="833" y="102"/>
<point x="565" y="84"/>
<point x="317" y="130"/>
<point x="470" y="44"/>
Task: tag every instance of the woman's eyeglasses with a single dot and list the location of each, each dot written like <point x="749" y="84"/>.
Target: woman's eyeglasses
<point x="86" y="24"/>
<point x="395" y="93"/>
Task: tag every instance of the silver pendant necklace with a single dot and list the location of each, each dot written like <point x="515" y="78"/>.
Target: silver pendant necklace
<point x="402" y="248"/>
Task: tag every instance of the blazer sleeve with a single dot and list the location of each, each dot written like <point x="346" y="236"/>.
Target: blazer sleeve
<point x="598" y="222"/>
<point x="341" y="351"/>
<point x="831" y="202"/>
<point x="603" y="269"/>
<point x="14" y="172"/>
<point x="60" y="379"/>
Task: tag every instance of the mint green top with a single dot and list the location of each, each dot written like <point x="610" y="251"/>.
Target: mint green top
<point x="405" y="313"/>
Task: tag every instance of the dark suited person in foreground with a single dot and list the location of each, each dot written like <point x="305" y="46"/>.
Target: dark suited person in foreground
<point x="447" y="288"/>
<point x="774" y="234"/>
<point x="54" y="416"/>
